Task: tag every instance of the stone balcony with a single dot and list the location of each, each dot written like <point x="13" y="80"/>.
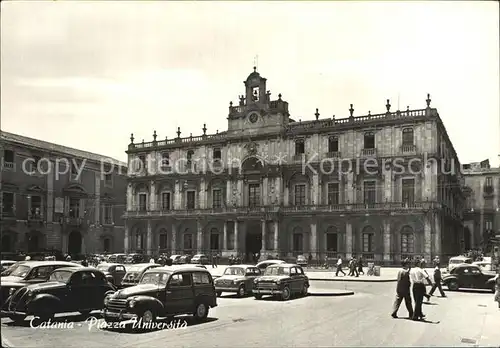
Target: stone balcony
<point x="272" y="210"/>
<point x="369" y="153"/>
<point x="408" y="149"/>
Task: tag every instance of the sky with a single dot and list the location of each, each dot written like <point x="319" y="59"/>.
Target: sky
<point x="87" y="74"/>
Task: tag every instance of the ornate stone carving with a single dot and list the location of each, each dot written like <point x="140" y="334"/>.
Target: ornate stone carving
<point x="252" y="148"/>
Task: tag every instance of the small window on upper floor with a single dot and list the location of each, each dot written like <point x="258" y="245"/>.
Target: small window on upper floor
<point x="333" y="144"/>
<point x="408" y="136"/>
<point x="369" y="141"/>
<point x="190" y="155"/>
<point x="165" y="159"/>
<point x="489" y="181"/>
<point x="108" y="180"/>
<point x="8" y="156"/>
<point x="217" y="154"/>
<point x="300" y="147"/>
<point x="142" y="163"/>
<point x="255" y="94"/>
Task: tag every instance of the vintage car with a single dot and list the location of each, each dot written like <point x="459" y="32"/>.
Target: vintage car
<point x="264" y="264"/>
<point x="484" y="265"/>
<point x="200" y="259"/>
<point x="301" y="261"/>
<point x="457" y="260"/>
<point x="467" y="276"/>
<point x="135" y="272"/>
<point x="175" y="259"/>
<point x="117" y="258"/>
<point x="114" y="272"/>
<point x="163" y="292"/>
<point x="5" y="264"/>
<point x="136" y="258"/>
<point x="67" y="290"/>
<point x="28" y="272"/>
<point x="237" y="279"/>
<point x="282" y="280"/>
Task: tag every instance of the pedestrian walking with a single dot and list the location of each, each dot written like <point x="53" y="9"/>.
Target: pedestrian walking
<point x="422" y="265"/>
<point x="418" y="278"/>
<point x="339" y="267"/>
<point x="152" y="260"/>
<point x="497" y="289"/>
<point x="353" y="271"/>
<point x="403" y="290"/>
<point x="360" y="266"/>
<point x="437" y="282"/>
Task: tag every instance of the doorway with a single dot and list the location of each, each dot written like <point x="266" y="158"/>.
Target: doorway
<point x="107" y="245"/>
<point x="75" y="243"/>
<point x="32" y="241"/>
<point x="253" y="241"/>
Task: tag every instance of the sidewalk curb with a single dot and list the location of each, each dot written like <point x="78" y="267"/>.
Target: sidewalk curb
<point x="331" y="294"/>
<point x="352" y="280"/>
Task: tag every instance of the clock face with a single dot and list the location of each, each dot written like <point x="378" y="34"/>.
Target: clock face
<point x="253" y="118"/>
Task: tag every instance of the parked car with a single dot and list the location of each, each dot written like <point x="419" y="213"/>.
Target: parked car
<point x="135" y="272"/>
<point x="466" y="276"/>
<point x="175" y="259"/>
<point x="136" y="258"/>
<point x="163" y="292"/>
<point x="184" y="259"/>
<point x="484" y="265"/>
<point x="264" y="264"/>
<point x="237" y="279"/>
<point x="67" y="290"/>
<point x="5" y="264"/>
<point x="28" y="272"/>
<point x="200" y="259"/>
<point x="301" y="261"/>
<point x="457" y="260"/>
<point x="117" y="258"/>
<point x="114" y="272"/>
<point x="283" y="280"/>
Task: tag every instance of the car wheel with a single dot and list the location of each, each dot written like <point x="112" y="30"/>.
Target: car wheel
<point x="17" y="318"/>
<point x="201" y="311"/>
<point x="285" y="296"/>
<point x="258" y="296"/>
<point x="453" y="285"/>
<point x="218" y="293"/>
<point x="241" y="291"/>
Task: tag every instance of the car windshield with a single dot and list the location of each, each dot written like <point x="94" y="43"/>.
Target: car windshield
<point x="60" y="276"/>
<point x="103" y="268"/>
<point x="277" y="271"/>
<point x="135" y="269"/>
<point x="19" y="270"/>
<point x="159" y="278"/>
<point x="234" y="271"/>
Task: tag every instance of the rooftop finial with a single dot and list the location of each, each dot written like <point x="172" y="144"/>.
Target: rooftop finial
<point x="279" y="96"/>
<point x="178" y="132"/>
<point x="230" y="104"/>
<point x="369" y="113"/>
<point x="428" y="100"/>
<point x="254" y="69"/>
<point x="388" y="106"/>
<point x="351" y="110"/>
<point x="204" y="129"/>
<point x="154" y="135"/>
<point x="217" y="131"/>
<point x="408" y="108"/>
<point x="131" y="138"/>
<point x="317" y="114"/>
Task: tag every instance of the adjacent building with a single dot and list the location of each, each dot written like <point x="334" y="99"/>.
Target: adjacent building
<point x="482" y="213"/>
<point x="378" y="185"/>
<point x="58" y="198"/>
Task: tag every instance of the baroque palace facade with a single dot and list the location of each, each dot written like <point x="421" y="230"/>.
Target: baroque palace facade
<point x="274" y="186"/>
<point x="482" y="210"/>
<point x="47" y="206"/>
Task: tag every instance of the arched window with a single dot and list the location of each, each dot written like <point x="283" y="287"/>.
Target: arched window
<point x="188" y="241"/>
<point x="298" y="240"/>
<point x="163" y="239"/>
<point x="332" y="239"/>
<point x="407" y="240"/>
<point x="368" y="239"/>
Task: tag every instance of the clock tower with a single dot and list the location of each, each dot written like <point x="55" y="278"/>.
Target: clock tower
<point x="256" y="112"/>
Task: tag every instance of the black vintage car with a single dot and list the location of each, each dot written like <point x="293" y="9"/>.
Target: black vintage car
<point x="163" y="292"/>
<point x="467" y="276"/>
<point x="135" y="272"/>
<point x="114" y="272"/>
<point x="67" y="290"/>
<point x="28" y="272"/>
<point x="281" y="280"/>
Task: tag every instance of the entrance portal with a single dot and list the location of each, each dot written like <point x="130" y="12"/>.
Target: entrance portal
<point x="253" y="241"/>
<point x="75" y="243"/>
<point x="33" y="241"/>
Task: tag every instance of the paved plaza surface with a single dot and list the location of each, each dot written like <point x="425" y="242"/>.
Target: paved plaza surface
<point x="464" y="319"/>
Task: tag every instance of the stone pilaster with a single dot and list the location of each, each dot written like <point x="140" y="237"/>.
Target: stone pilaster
<point x="177" y="195"/>
<point x="388" y="185"/>
<point x="224" y="247"/>
<point x="126" y="240"/>
<point x="152" y="197"/>
<point x="315" y="190"/>
<point x="264" y="237"/>
<point x="97" y="202"/>
<point x="314" y="239"/>
<point x="349" y="189"/>
<point x="437" y="236"/>
<point x="265" y="191"/>
<point x="202" y="200"/>
<point x="149" y="239"/>
<point x="236" y="237"/>
<point x="428" y="237"/>
<point x="199" y="237"/>
<point x="348" y="240"/>
<point x="387" y="241"/>
<point x="174" y="239"/>
<point x="229" y="192"/>
<point x="276" y="236"/>
<point x="130" y="197"/>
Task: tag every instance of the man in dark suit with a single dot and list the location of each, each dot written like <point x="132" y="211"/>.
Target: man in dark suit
<point x="437" y="282"/>
<point x="403" y="290"/>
